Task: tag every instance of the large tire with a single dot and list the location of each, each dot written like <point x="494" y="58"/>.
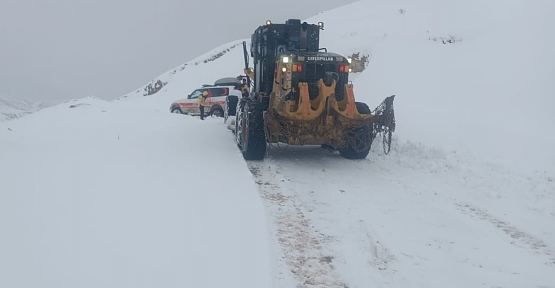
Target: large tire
<point x="251" y="133"/>
<point x="362" y="108"/>
<point x="177" y="110"/>
<point x="359" y="141"/>
<point x="238" y="126"/>
<point x="231" y="105"/>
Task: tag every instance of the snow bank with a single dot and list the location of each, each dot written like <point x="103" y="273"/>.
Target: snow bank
<point x="98" y="194"/>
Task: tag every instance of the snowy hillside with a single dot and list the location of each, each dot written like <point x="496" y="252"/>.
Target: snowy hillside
<point x="126" y="194"/>
<point x="204" y="69"/>
<point x="489" y="93"/>
<point x="12" y="108"/>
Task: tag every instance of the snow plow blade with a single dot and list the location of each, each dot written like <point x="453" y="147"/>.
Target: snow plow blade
<point x="327" y="121"/>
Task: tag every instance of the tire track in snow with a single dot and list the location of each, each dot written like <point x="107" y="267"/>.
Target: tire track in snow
<point x="302" y="251"/>
<point x="520" y="238"/>
<point x="426" y="180"/>
<point x="493" y="180"/>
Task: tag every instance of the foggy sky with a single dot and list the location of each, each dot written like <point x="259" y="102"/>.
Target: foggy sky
<point x="63" y="49"/>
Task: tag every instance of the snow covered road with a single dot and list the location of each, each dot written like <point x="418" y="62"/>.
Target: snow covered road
<point x="415" y="218"/>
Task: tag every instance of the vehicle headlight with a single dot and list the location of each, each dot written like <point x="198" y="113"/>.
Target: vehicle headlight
<point x="285" y="59"/>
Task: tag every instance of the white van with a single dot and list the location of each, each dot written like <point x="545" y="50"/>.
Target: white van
<point x="214" y="105"/>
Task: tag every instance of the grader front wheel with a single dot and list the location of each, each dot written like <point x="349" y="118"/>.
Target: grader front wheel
<point x="359" y="143"/>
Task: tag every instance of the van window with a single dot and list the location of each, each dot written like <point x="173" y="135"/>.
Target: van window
<point x="217" y="92"/>
<point x="195" y="94"/>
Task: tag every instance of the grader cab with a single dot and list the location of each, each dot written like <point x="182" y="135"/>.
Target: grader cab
<point x="300" y="95"/>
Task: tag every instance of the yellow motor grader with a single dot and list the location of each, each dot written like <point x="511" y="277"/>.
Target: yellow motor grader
<point x="299" y="94"/>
